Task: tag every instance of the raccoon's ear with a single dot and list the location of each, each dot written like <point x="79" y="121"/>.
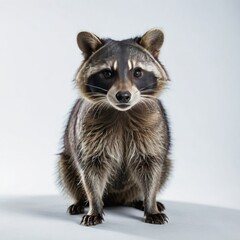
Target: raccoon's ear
<point x="88" y="43"/>
<point x="152" y="41"/>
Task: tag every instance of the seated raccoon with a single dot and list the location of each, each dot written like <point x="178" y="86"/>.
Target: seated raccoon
<point x="117" y="141"/>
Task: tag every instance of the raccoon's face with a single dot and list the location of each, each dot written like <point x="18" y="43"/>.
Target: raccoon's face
<point x="121" y="73"/>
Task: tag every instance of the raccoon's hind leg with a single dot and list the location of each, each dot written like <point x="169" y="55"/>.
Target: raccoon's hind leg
<point x="70" y="181"/>
<point x="166" y="169"/>
<point x="140" y="205"/>
<point x="131" y="196"/>
<point x="76" y="208"/>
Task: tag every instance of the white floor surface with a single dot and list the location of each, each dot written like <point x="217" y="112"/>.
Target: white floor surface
<point x="45" y="217"/>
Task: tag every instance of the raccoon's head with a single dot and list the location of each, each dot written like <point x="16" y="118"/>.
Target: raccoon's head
<point x="121" y="73"/>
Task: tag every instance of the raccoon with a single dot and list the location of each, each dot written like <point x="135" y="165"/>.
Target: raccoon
<point x="116" y="143"/>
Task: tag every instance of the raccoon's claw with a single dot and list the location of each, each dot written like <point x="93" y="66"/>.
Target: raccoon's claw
<point x="160" y="206"/>
<point x="159" y="218"/>
<point x="77" y="208"/>
<point x="90" y="220"/>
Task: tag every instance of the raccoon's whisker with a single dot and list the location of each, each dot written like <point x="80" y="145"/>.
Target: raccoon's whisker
<point x="98" y="95"/>
<point x="147" y="92"/>
<point x="136" y="92"/>
<point x="149" y="85"/>
<point x="87" y="84"/>
<point x="148" y="96"/>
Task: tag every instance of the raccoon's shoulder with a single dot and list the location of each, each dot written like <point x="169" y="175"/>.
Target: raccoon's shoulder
<point x="72" y="120"/>
<point x="75" y="109"/>
<point x="161" y="108"/>
<point x="165" y="119"/>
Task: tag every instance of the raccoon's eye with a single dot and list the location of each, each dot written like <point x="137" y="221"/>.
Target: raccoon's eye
<point x="137" y="73"/>
<point x="107" y="73"/>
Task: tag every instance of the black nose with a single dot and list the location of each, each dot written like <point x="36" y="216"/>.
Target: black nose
<point x="123" y="96"/>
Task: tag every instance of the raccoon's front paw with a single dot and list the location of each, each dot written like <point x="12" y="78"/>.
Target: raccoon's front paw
<point x="89" y="220"/>
<point x="159" y="218"/>
<point x="76" y="208"/>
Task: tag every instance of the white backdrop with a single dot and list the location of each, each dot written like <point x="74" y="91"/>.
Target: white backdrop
<point x="38" y="60"/>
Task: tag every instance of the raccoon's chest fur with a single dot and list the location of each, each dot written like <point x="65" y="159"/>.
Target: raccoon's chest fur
<point x="120" y="137"/>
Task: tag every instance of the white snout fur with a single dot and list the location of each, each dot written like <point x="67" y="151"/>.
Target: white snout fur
<point x="135" y="98"/>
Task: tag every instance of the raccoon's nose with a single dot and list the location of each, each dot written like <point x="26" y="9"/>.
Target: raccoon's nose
<point x="123" y="96"/>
